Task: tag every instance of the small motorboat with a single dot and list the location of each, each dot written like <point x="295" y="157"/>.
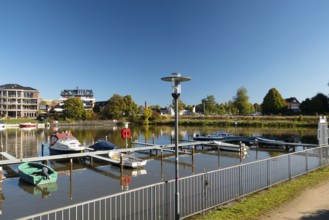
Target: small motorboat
<point x="220" y="135"/>
<point x="27" y="125"/>
<point x="127" y="160"/>
<point x="36" y="173"/>
<point x="103" y="145"/>
<point x="65" y="143"/>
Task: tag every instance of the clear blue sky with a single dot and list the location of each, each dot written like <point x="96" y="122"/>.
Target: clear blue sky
<point x="126" y="47"/>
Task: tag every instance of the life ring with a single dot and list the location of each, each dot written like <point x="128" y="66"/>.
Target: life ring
<point x="125" y="133"/>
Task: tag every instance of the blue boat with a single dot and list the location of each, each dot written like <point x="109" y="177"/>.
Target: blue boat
<point x="103" y="145"/>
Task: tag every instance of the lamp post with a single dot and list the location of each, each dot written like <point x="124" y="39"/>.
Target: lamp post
<point x="176" y="80"/>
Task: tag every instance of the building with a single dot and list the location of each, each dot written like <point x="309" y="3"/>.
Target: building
<point x="17" y="101"/>
<point x="293" y="104"/>
<point x="86" y="96"/>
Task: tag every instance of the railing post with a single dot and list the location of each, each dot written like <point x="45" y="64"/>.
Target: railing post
<point x="306" y="158"/>
<point x="289" y="167"/>
<point x="268" y="172"/>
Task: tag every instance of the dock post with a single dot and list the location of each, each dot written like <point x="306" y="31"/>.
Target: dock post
<point x="71" y="167"/>
<point x="192" y="154"/>
<point x="42" y="147"/>
<point x="121" y="163"/>
<point x="1" y="174"/>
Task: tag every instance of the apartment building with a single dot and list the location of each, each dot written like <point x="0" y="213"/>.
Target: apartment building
<point x="18" y="101"/>
<point x="86" y="96"/>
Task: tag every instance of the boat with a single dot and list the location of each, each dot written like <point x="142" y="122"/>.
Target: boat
<point x="64" y="143"/>
<point x="28" y="125"/>
<point x="232" y="147"/>
<point x="103" y="145"/>
<point x="128" y="160"/>
<point x="36" y="173"/>
<point x="2" y="126"/>
<point x="219" y="135"/>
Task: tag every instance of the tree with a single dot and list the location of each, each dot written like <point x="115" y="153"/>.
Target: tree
<point x="73" y="109"/>
<point x="319" y="104"/>
<point x="273" y="103"/>
<point x="209" y="105"/>
<point x="241" y="101"/>
<point x="118" y="107"/>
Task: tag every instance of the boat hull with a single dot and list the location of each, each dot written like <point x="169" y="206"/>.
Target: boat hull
<point x="128" y="160"/>
<point x="35" y="174"/>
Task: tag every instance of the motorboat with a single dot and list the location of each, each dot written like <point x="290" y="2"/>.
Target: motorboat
<point x="36" y="173"/>
<point x="103" y="145"/>
<point x="242" y="148"/>
<point x="219" y="135"/>
<point x="128" y="160"/>
<point x="27" y="125"/>
<point x="64" y="143"/>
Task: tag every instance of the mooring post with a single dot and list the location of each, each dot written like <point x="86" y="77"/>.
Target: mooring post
<point x="1" y="178"/>
<point x="193" y="154"/>
<point x="71" y="168"/>
<point x="121" y="163"/>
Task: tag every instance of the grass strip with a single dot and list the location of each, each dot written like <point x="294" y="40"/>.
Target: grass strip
<point x="259" y="204"/>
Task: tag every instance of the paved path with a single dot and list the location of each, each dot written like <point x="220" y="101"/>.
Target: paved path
<point x="312" y="204"/>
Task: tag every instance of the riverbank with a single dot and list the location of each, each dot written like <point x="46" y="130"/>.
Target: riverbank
<point x="243" y="121"/>
<point x="300" y="198"/>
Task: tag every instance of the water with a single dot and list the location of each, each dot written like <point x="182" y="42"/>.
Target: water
<point x="95" y="179"/>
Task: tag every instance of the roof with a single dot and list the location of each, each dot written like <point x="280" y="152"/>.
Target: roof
<point x="292" y="99"/>
<point x="16" y="87"/>
<point x="77" y="92"/>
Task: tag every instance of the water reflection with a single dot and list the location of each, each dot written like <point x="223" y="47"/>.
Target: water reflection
<point x="92" y="179"/>
<point x="44" y="190"/>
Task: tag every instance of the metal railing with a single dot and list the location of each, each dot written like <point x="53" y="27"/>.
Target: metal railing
<point x="198" y="193"/>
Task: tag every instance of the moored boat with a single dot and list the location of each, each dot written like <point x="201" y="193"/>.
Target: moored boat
<point x="37" y="173"/>
<point x="27" y="125"/>
<point x="232" y="147"/>
<point x="103" y="145"/>
<point x="127" y="160"/>
<point x="220" y="135"/>
<point x="64" y="143"/>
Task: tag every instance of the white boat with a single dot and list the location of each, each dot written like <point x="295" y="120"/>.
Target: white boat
<point x="232" y="147"/>
<point x="219" y="135"/>
<point x="128" y="160"/>
<point x="64" y="143"/>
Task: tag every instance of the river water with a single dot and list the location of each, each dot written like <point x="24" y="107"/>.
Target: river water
<point x="98" y="179"/>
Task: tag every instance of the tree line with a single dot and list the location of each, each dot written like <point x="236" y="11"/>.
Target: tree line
<point x="123" y="107"/>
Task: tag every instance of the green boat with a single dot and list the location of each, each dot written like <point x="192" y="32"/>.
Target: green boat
<point x="37" y="173"/>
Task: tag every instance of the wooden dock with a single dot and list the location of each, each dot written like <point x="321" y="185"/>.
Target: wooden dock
<point x="97" y="154"/>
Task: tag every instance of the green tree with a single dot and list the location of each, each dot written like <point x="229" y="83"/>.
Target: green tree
<point x="241" y="101"/>
<point x="73" y="109"/>
<point x="209" y="105"/>
<point x="319" y="104"/>
<point x="119" y="107"/>
<point x="273" y="103"/>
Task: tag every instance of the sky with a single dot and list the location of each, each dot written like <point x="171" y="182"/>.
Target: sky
<point x="125" y="47"/>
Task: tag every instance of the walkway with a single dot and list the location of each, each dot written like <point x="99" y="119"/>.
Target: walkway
<point x="312" y="204"/>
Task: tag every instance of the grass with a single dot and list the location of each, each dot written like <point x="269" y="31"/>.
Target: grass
<point x="259" y="204"/>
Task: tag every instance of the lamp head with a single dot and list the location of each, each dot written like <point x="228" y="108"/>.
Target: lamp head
<point x="176" y="80"/>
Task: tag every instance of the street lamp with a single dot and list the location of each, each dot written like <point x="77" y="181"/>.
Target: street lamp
<point x="176" y="80"/>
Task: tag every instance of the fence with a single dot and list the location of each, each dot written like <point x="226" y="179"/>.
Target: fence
<point x="198" y="193"/>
